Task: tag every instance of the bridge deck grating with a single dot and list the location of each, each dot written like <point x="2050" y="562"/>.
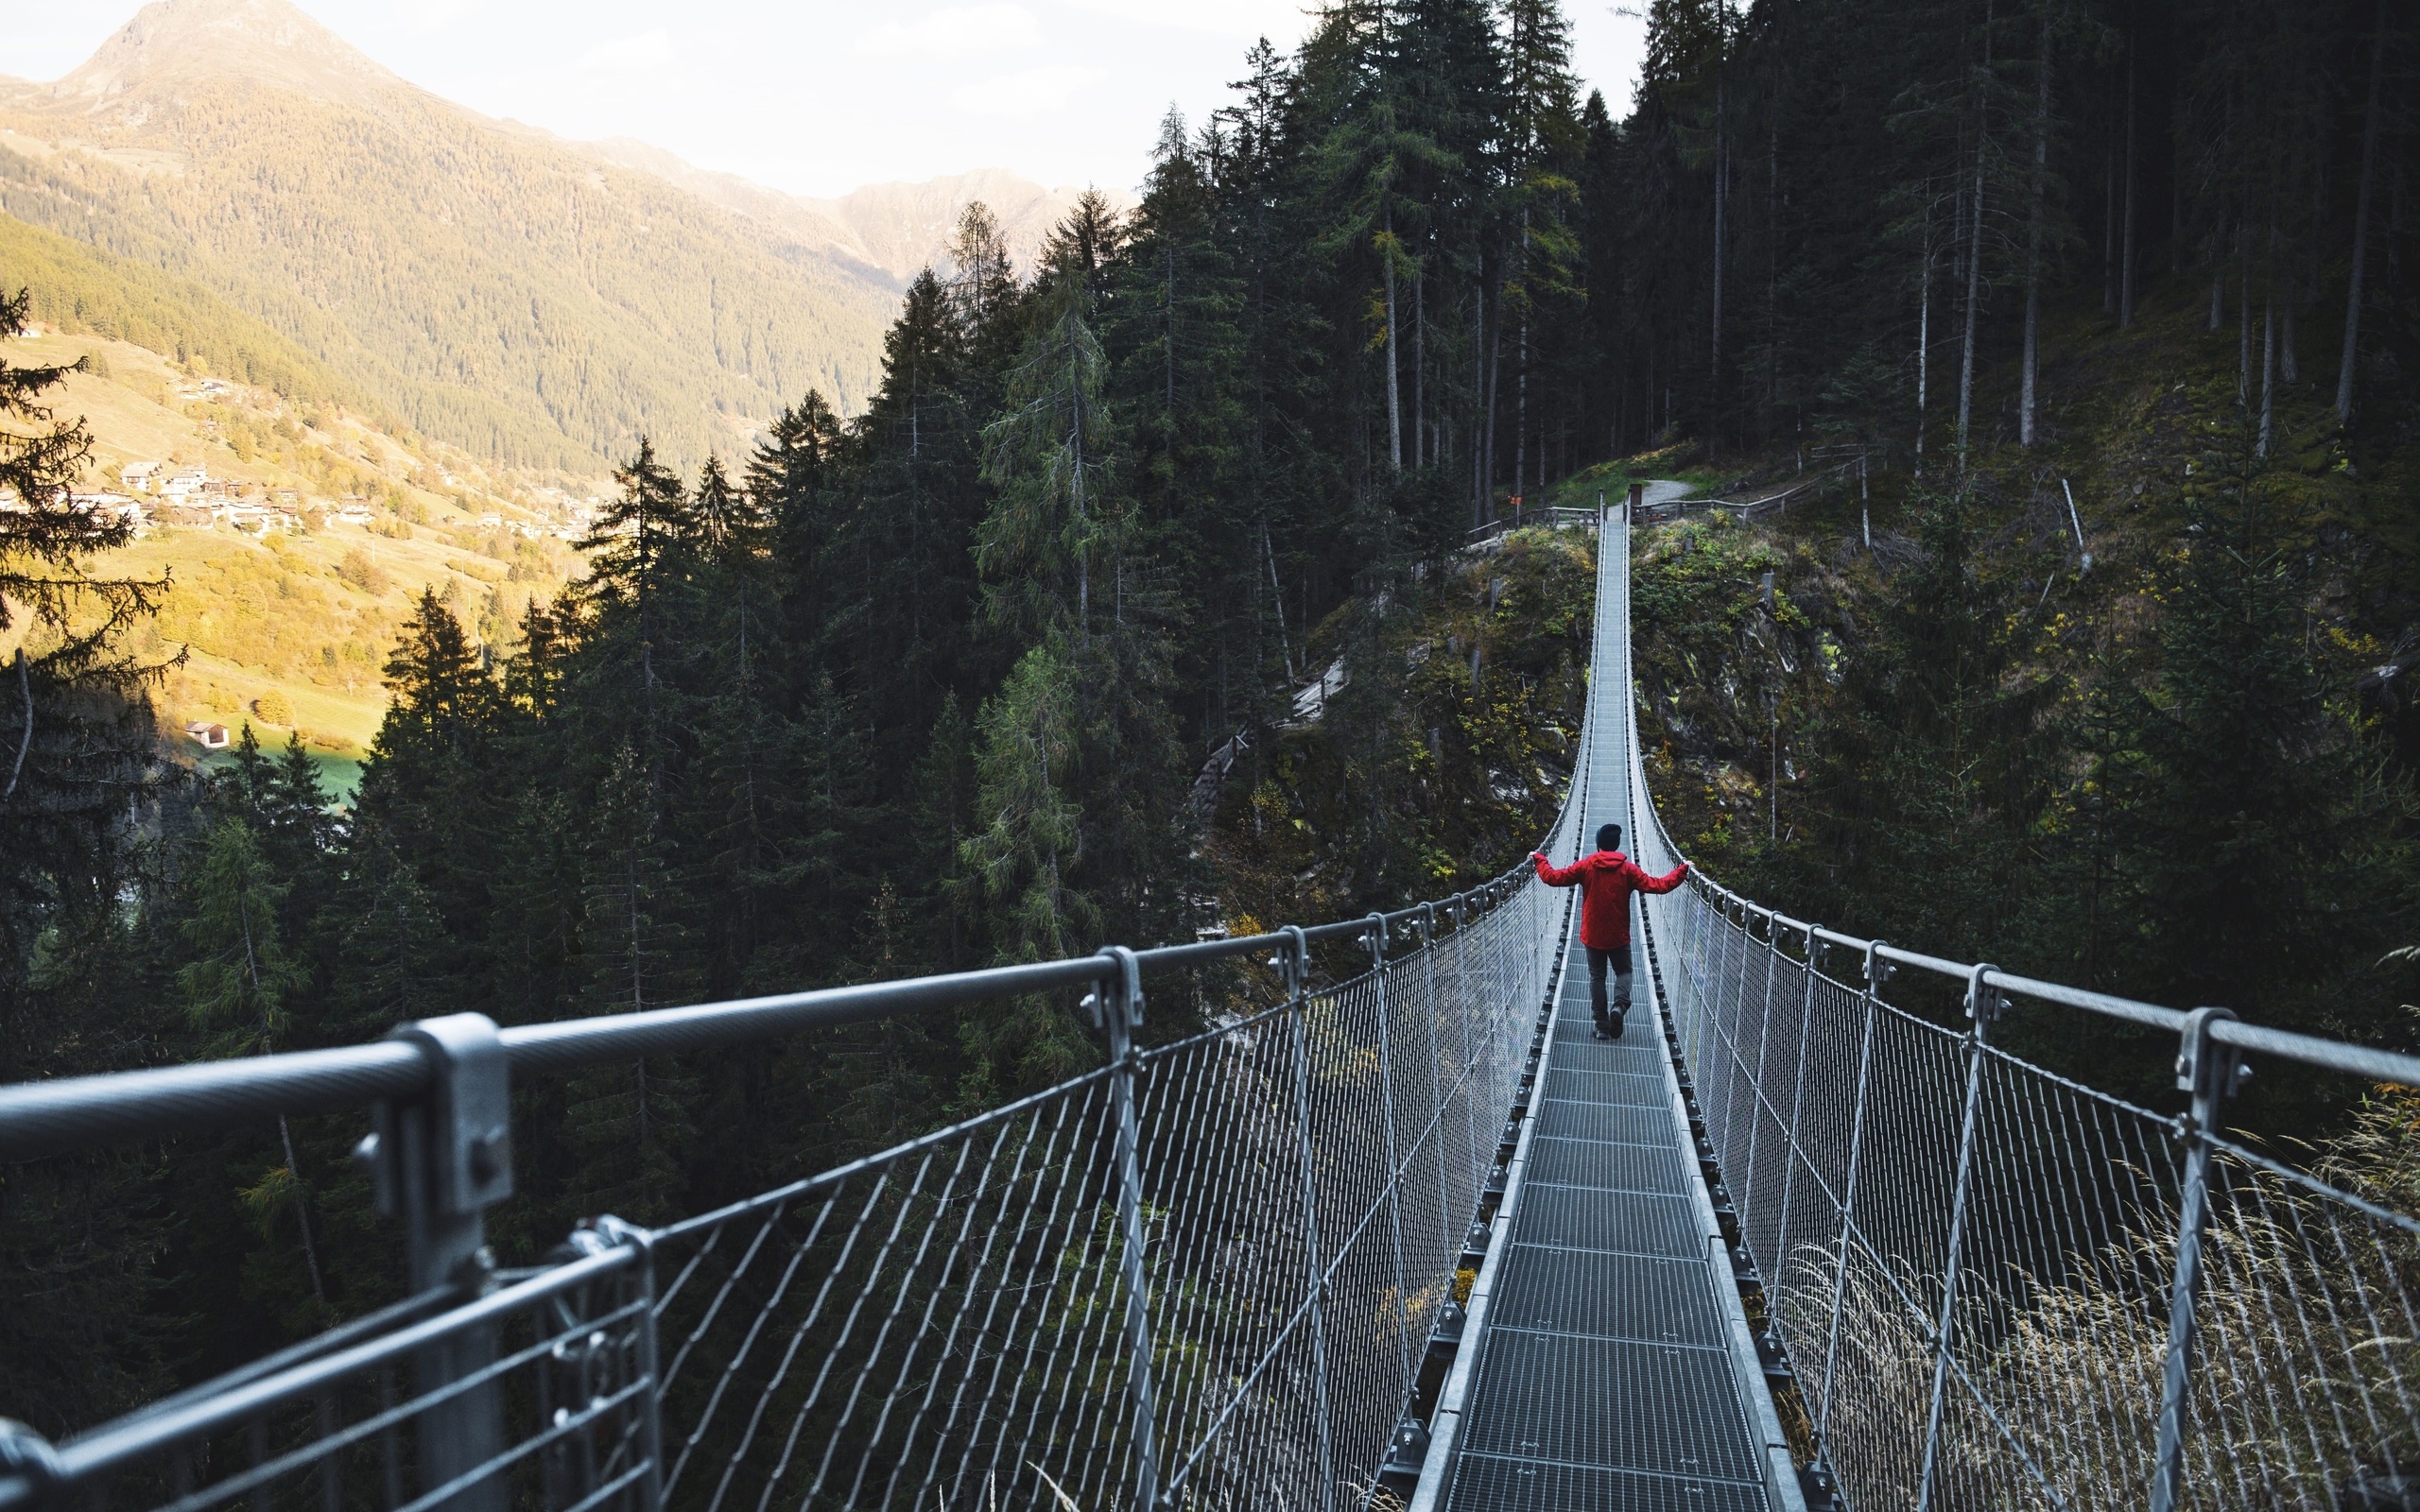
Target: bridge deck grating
<point x="1604" y="1378"/>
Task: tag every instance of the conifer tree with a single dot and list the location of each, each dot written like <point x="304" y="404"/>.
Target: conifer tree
<point x="1048" y="454"/>
<point x="236" y="990"/>
<point x="430" y="784"/>
<point x="626" y="1127"/>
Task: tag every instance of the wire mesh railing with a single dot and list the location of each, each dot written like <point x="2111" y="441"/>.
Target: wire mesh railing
<point x="1998" y="1287"/>
<point x="1201" y="1275"/>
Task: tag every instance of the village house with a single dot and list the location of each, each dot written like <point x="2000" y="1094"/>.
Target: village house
<point x="210" y="736"/>
<point x="120" y="507"/>
<point x="139" y="477"/>
<point x="184" y="483"/>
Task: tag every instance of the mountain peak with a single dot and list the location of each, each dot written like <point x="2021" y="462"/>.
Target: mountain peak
<point x="201" y="41"/>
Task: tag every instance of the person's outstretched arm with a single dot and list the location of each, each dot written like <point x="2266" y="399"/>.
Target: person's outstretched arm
<point x="1552" y="875"/>
<point x="1670" y="880"/>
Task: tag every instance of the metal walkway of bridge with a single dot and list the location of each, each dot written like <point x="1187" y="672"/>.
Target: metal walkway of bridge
<point x="1351" y="1215"/>
<point x="1614" y="1368"/>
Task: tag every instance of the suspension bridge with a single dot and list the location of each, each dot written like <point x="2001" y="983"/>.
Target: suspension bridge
<point x="1350" y="1216"/>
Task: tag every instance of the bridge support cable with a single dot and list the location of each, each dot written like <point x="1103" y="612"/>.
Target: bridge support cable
<point x="1983" y="1284"/>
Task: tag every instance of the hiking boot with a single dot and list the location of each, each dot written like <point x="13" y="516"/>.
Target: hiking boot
<point x="1621" y="1010"/>
<point x="1600" y="1032"/>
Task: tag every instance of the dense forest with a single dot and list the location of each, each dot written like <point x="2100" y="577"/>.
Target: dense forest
<point x="1013" y="663"/>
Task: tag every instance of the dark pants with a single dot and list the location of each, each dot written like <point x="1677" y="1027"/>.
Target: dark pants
<point x="1618" y="960"/>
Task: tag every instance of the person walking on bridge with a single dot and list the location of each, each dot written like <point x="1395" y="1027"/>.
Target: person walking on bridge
<point x="1605" y="881"/>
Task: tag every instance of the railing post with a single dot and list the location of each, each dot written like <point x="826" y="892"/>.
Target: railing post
<point x="1481" y="1078"/>
<point x="1983" y="1005"/>
<point x="1429" y="974"/>
<point x="1876" y="972"/>
<point x="1295" y="960"/>
<point x="1789" y="1141"/>
<point x="437" y="1164"/>
<point x="1764" y="1052"/>
<point x="1375" y="937"/>
<point x="2210" y="1072"/>
<point x="651" y="1486"/>
<point x="1119" y="1001"/>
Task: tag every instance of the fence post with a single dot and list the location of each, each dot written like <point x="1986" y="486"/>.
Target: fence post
<point x="1789" y="1141"/>
<point x="1481" y="1081"/>
<point x="2210" y="1072"/>
<point x="651" y="1486"/>
<point x="1375" y="937"/>
<point x="1982" y="1005"/>
<point x="437" y="1163"/>
<point x="1876" y="972"/>
<point x="1429" y="976"/>
<point x="1119" y="1001"/>
<point x="1756" y="1081"/>
<point x="1295" y="960"/>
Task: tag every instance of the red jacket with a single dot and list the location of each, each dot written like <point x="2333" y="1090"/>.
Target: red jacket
<point x="1606" y="880"/>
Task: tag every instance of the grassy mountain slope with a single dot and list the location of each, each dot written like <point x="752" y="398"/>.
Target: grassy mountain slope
<point x="494" y="289"/>
<point x="296" y="624"/>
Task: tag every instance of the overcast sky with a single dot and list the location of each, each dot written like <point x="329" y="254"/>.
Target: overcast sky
<point x="817" y="97"/>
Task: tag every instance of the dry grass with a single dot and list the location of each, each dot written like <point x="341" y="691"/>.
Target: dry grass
<point x="2307" y="1369"/>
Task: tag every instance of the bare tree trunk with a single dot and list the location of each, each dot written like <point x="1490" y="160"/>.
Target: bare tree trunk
<point x="1478" y="394"/>
<point x="1923" y="348"/>
<point x="2033" y="245"/>
<point x="1168" y="251"/>
<point x="1419" y="368"/>
<point x="1721" y="174"/>
<point x="2243" y="322"/>
<point x="2126" y="256"/>
<point x="1521" y="409"/>
<point x="1494" y="381"/>
<point x="1076" y="436"/>
<point x="2217" y="299"/>
<point x="1974" y="246"/>
<point x="1285" y="646"/>
<point x="1974" y="298"/>
<point x="2267" y="370"/>
<point x="1521" y="372"/>
<point x="1394" y="364"/>
<point x="2361" y="224"/>
<point x="302" y="1213"/>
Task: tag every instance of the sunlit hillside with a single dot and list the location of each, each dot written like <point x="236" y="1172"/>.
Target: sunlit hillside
<point x="286" y="620"/>
<point x="479" y="281"/>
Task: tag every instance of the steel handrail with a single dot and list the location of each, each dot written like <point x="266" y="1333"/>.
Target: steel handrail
<point x="75" y="1113"/>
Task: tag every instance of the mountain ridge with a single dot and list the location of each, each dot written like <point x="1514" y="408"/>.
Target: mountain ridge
<point x="534" y="299"/>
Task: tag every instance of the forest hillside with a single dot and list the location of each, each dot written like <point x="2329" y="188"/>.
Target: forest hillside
<point x="1141" y="598"/>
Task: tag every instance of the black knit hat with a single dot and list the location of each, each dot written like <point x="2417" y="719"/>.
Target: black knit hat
<point x="1609" y="838"/>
